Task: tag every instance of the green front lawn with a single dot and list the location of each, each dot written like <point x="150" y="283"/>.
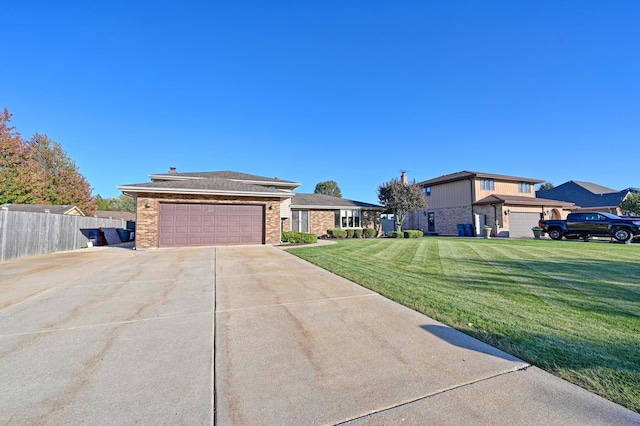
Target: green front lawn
<point x="571" y="308"/>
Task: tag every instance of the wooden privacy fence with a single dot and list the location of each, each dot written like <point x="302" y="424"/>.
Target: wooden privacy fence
<point x="26" y="234"/>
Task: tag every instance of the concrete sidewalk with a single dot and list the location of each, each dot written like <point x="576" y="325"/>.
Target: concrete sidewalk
<point x="296" y="345"/>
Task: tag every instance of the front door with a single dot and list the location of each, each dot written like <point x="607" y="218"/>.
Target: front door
<point x="431" y="222"/>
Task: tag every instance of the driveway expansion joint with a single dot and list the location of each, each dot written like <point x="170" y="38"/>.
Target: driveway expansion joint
<point x="432" y="394"/>
<point x="297" y="302"/>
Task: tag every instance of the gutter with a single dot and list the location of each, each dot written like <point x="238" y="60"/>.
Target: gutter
<point x="135" y="190"/>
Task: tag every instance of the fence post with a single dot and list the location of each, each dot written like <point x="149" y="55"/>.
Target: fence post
<point x="4" y="211"/>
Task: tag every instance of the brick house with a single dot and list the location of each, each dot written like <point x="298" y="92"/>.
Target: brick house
<point x="227" y="207"/>
<point x="316" y="213"/>
<point x="506" y="203"/>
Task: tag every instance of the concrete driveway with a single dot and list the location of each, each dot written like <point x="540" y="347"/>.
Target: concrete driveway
<point x="247" y="335"/>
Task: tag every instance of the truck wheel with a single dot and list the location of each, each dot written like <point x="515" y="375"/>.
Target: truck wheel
<point x="622" y="234"/>
<point x="555" y="233"/>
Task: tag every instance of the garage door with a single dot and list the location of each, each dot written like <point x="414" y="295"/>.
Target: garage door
<point x="210" y="224"/>
<point x="520" y="224"/>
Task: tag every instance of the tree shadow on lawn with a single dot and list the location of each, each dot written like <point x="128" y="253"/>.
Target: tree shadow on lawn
<point x="465" y="341"/>
<point x="604" y="367"/>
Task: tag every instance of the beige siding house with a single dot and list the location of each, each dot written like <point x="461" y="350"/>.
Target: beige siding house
<point x="506" y="203"/>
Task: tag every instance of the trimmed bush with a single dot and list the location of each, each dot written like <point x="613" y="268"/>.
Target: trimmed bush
<point x="357" y="233"/>
<point x="395" y="234"/>
<point x="349" y="233"/>
<point x="299" y="237"/>
<point x="412" y="233"/>
<point x="337" y="233"/>
<point x="369" y="232"/>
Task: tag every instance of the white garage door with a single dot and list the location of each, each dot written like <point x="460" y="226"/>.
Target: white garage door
<point x="182" y="224"/>
<point x="520" y="224"/>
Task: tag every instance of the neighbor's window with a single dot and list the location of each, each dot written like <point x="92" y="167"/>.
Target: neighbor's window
<point x="426" y="191"/>
<point x="487" y="184"/>
<point x="350" y="218"/>
<point x="524" y="188"/>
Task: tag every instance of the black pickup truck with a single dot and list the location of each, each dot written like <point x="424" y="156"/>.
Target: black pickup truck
<point x="585" y="225"/>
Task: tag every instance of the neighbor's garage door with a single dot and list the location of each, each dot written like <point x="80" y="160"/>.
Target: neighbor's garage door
<point x="520" y="224"/>
<point x="210" y="224"/>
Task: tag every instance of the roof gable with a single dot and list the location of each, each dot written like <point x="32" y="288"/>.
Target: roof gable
<point x="44" y="208"/>
<point x="584" y="194"/>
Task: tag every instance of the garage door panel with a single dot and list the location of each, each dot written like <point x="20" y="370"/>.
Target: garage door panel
<point x="520" y="224"/>
<point x="210" y="224"/>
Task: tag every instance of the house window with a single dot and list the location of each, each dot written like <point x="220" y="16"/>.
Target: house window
<point x="487" y="184"/>
<point x="300" y="220"/>
<point x="349" y="218"/>
<point x="524" y="188"/>
<point x="336" y="219"/>
<point x="426" y="191"/>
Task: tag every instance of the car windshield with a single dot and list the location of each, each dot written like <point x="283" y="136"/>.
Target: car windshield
<point x="610" y="216"/>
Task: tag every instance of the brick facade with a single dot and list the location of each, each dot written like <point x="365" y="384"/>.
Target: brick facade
<point x="148" y="214"/>
<point x="320" y="221"/>
<point x="446" y="220"/>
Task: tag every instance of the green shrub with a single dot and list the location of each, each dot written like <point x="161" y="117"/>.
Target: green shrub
<point x="349" y="233"/>
<point x="337" y="233"/>
<point x="299" y="237"/>
<point x="357" y="233"/>
<point x="412" y="233"/>
<point x="395" y="234"/>
<point x="369" y="232"/>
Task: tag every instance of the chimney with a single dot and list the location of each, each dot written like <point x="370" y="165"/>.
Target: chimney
<point x="403" y="178"/>
<point x="172" y="171"/>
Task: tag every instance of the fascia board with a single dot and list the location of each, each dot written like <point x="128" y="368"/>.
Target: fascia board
<point x="293" y="185"/>
<point x="139" y="190"/>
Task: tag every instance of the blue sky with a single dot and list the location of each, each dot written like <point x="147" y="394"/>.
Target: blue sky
<point x="348" y="91"/>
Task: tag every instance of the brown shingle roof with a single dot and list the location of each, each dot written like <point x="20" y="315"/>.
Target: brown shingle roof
<point x="463" y="175"/>
<point x="208" y="185"/>
<point x="522" y="201"/>
<point x="115" y="214"/>
<point x="226" y="174"/>
<point x="327" y="201"/>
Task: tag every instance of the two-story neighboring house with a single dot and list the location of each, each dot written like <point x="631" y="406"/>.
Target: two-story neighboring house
<point x="589" y="196"/>
<point x="506" y="203"/>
